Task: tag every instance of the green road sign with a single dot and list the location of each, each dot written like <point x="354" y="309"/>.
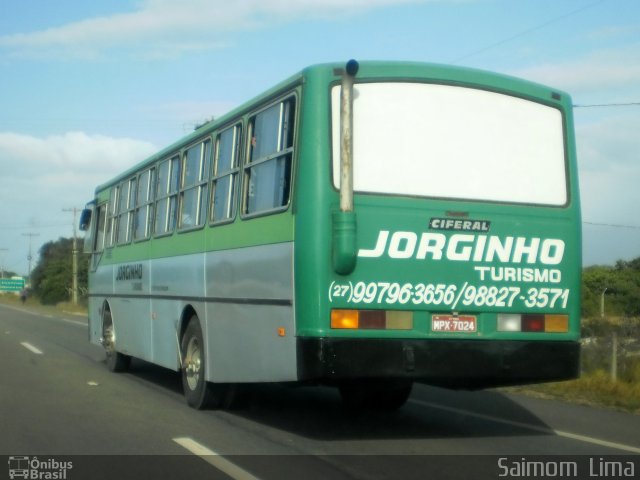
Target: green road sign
<point x="11" y="284"/>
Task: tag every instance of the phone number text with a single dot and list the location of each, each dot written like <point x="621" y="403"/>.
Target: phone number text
<point x="389" y="293"/>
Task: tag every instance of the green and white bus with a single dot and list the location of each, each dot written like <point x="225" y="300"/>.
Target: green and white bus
<point x="362" y="226"/>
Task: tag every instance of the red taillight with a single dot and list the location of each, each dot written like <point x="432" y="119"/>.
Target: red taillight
<point x="373" y="319"/>
<point x="532" y="323"/>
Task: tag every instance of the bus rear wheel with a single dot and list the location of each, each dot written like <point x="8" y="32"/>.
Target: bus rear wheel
<point x="376" y="394"/>
<point x="198" y="392"/>
<point x="116" y="361"/>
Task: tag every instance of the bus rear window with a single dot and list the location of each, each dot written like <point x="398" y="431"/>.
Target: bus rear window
<point x="453" y="142"/>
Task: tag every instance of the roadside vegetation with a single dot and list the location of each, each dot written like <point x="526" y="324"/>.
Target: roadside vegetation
<point x="610" y="341"/>
<point x="597" y="384"/>
<point x="51" y="280"/>
<point x="610" y="325"/>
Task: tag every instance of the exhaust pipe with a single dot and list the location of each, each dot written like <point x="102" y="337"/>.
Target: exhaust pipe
<point x="344" y="253"/>
<point x="346" y="136"/>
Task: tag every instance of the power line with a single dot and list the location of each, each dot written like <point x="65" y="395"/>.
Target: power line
<point x="525" y="32"/>
<point x="636" y="227"/>
<point x="629" y="104"/>
<point x="33" y="227"/>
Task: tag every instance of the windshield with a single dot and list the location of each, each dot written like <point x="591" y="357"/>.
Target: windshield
<point x="453" y="142"/>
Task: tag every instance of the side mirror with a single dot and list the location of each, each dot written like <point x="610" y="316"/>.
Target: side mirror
<point x="85" y="219"/>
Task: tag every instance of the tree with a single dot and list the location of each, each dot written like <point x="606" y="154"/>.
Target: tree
<point x="52" y="277"/>
<point x="622" y="284"/>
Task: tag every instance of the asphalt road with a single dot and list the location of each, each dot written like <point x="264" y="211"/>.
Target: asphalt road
<point x="59" y="402"/>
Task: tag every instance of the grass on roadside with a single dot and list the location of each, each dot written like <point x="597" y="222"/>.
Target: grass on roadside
<point x="595" y="388"/>
<point x="34" y="304"/>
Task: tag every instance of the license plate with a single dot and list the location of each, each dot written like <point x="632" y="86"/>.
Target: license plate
<point x="451" y="323"/>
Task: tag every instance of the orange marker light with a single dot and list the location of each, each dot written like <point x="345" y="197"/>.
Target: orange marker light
<point x="556" y="323"/>
<point x="345" y="318"/>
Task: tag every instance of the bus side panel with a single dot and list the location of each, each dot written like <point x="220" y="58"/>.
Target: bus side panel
<point x="250" y="328"/>
<point x="101" y="288"/>
<point x="95" y="320"/>
<point x="130" y="309"/>
<point x="176" y="282"/>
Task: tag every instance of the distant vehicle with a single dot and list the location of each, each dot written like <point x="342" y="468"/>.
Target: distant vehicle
<point x="363" y="226"/>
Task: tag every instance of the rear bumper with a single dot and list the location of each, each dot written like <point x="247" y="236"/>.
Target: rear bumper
<point x="450" y="363"/>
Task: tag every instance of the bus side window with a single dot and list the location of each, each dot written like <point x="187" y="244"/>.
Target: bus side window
<point x="268" y="169"/>
<point x="225" y="174"/>
<point x="99" y="239"/>
<point x="126" y="204"/>
<point x="144" y="205"/>
<point x="167" y="189"/>
<point x="99" y="234"/>
<point x="194" y="186"/>
<point x="112" y="211"/>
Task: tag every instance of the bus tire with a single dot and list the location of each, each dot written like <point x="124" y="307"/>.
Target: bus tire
<point x="116" y="361"/>
<point x="198" y="392"/>
<point x="379" y="394"/>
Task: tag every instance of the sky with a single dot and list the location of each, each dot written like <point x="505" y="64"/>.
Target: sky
<point x="89" y="89"/>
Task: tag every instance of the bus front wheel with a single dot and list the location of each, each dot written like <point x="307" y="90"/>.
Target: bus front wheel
<point x="198" y="392"/>
<point x="116" y="361"/>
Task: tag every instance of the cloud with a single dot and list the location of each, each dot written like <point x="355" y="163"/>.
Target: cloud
<point x="75" y="152"/>
<point x="43" y="175"/>
<point x="609" y="163"/>
<point x="609" y="170"/>
<point x="599" y="71"/>
<point x="614" y="32"/>
<point x="40" y="170"/>
<point x="164" y="27"/>
<point x="611" y="142"/>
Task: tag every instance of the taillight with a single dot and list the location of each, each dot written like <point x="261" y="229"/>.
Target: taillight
<point x="533" y="322"/>
<point x="371" y="319"/>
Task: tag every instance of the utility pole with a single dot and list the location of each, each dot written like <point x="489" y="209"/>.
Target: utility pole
<point x="602" y="303"/>
<point x="74" y="253"/>
<point x="30" y="256"/>
<point x="2" y="262"/>
<point x="614" y="341"/>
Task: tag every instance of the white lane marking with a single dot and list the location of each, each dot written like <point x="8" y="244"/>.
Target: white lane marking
<point x="535" y="428"/>
<point x="31" y="348"/>
<point x="597" y="441"/>
<point x="213" y="458"/>
<point x="72" y="322"/>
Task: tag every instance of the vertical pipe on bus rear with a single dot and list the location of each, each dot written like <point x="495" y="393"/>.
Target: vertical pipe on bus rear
<point x="344" y="220"/>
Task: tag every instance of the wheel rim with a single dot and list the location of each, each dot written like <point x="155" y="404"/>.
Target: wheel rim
<point x="109" y="339"/>
<point x="192" y="363"/>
